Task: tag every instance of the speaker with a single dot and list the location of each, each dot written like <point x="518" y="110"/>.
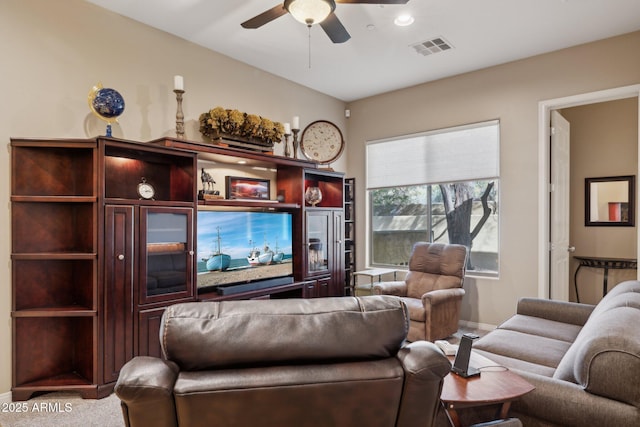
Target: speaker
<point x="461" y="363"/>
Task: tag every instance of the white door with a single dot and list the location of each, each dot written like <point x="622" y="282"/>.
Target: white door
<point x="559" y="248"/>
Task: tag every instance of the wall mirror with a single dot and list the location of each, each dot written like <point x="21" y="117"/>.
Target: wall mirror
<point x="610" y="201"/>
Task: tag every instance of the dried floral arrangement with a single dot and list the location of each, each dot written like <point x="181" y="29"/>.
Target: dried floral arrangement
<point x="220" y="122"/>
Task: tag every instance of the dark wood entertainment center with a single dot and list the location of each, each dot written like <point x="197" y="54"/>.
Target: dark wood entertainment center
<point x="87" y="295"/>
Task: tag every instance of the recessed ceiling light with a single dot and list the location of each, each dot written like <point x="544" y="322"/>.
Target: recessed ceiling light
<point x="404" y="20"/>
<point x="371" y="27"/>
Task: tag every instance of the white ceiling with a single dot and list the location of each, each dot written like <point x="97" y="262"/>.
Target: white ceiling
<point x="483" y="33"/>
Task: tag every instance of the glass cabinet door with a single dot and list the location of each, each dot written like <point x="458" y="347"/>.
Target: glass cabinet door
<point x="166" y="247"/>
<point x="317" y="240"/>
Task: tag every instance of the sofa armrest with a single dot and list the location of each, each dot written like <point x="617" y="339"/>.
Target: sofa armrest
<point x="397" y="288"/>
<point x="440" y="296"/>
<point x="145" y="388"/>
<point x="559" y="311"/>
<point x="558" y="402"/>
<point x="425" y="368"/>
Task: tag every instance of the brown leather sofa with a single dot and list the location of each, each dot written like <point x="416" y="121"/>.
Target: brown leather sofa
<point x="295" y="362"/>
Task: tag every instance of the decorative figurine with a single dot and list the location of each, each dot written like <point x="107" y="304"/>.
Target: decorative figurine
<point x="207" y="191"/>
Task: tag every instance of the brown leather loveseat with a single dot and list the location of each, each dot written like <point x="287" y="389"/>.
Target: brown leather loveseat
<point x="295" y="362"/>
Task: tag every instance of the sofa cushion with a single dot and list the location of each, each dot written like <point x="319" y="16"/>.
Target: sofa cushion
<point x="342" y="394"/>
<point x="542" y="327"/>
<point x="529" y="348"/>
<point x="618" y="296"/>
<point x="515" y="364"/>
<point x="230" y="333"/>
<point x="419" y="283"/>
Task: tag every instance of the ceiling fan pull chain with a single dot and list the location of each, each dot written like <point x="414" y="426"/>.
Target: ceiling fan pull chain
<point x="309" y="41"/>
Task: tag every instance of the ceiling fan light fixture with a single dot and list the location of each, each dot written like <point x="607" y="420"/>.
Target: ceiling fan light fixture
<point x="310" y="12"/>
<point x="404" y="20"/>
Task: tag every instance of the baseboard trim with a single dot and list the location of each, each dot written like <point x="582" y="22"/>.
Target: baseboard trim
<point x="475" y="325"/>
<point x="5" y="397"/>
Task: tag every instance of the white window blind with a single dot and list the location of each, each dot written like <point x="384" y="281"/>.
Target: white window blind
<point x="463" y="153"/>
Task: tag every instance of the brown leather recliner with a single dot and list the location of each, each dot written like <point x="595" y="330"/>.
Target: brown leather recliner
<point x="432" y="289"/>
<point x="294" y="362"/>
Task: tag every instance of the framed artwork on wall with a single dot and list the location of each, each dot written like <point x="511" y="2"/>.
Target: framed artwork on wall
<point x="247" y="188"/>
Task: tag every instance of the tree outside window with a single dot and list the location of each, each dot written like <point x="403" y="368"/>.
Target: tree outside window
<point x="463" y="213"/>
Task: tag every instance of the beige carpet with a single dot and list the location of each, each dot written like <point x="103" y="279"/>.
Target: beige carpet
<point x="62" y="410"/>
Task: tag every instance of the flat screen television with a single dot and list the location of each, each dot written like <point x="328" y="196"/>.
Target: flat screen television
<point x="243" y="250"/>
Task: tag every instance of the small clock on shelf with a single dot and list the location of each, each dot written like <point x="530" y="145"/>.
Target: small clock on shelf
<point x="322" y="142"/>
<point x="146" y="190"/>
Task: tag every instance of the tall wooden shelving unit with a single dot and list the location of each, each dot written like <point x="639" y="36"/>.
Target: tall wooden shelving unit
<point x="349" y="232"/>
<point x="78" y="286"/>
<point x="89" y="255"/>
<point x="55" y="245"/>
<point x="323" y="225"/>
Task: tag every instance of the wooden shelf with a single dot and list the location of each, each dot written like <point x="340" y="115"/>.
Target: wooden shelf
<point x="69" y="311"/>
<point x="61" y="348"/>
<point x="55" y="256"/>
<point x="71" y="379"/>
<point x="53" y="227"/>
<point x="53" y="168"/>
<point x="170" y="172"/>
<point x="220" y="154"/>
<point x="54" y="199"/>
<point x="249" y="204"/>
<point x="138" y="202"/>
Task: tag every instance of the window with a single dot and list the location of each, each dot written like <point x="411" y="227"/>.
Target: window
<point x="439" y="186"/>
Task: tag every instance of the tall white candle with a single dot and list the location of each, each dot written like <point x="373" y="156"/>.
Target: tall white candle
<point x="296" y="122"/>
<point x="178" y="83"/>
<point x="287" y="128"/>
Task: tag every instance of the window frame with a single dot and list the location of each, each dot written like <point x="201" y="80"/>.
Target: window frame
<point x="428" y="206"/>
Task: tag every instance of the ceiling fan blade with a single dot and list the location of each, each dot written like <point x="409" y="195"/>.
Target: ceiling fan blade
<point x="265" y="17"/>
<point x="374" y="1"/>
<point x="334" y="29"/>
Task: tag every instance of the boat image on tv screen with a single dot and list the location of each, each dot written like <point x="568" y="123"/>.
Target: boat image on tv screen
<point x="237" y="247"/>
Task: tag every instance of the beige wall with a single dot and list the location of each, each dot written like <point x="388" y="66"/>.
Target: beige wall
<point x="604" y="142"/>
<point x="510" y="93"/>
<point x="53" y="52"/>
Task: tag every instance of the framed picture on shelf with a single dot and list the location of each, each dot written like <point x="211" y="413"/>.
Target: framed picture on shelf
<point x="247" y="188"/>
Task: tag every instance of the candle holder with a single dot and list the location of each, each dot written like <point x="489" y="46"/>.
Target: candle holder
<point x="295" y="142"/>
<point x="287" y="152"/>
<point x="179" y="114"/>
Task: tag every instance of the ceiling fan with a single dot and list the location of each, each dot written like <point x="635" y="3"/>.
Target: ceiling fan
<point x="311" y="12"/>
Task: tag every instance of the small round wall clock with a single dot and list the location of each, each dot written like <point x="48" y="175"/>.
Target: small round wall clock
<point x="322" y="142"/>
<point x="146" y="190"/>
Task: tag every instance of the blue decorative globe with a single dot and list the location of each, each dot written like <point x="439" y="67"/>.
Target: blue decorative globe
<point x="106" y="103"/>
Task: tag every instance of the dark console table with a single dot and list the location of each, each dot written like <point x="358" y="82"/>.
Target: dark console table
<point x="604" y="263"/>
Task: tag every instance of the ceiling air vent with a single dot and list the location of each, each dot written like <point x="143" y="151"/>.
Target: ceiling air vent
<point x="432" y="46"/>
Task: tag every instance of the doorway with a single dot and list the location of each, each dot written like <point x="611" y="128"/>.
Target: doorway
<point x="546" y="287"/>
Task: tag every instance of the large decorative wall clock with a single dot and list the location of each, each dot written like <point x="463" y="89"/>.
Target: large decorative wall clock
<point x="322" y="142"/>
